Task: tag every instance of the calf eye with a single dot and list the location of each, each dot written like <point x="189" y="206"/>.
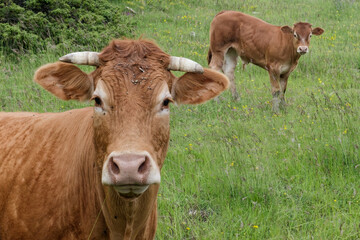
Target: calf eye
<point x="295" y="35"/>
<point x="98" y="102"/>
<point x="165" y="104"/>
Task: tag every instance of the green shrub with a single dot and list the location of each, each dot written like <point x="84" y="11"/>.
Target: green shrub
<point x="35" y="25"/>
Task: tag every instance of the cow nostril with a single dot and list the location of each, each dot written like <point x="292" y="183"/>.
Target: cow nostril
<point x="303" y="49"/>
<point x="144" y="165"/>
<point x="114" y="167"/>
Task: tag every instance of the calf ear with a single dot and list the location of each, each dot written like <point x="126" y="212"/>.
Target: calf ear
<point x="317" y="31"/>
<point x="196" y="88"/>
<point x="66" y="81"/>
<point x="286" y="29"/>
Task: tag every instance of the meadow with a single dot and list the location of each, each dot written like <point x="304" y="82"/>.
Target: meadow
<point x="234" y="169"/>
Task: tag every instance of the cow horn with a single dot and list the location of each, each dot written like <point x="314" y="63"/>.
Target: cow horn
<point x="184" y="65"/>
<point x="82" y="58"/>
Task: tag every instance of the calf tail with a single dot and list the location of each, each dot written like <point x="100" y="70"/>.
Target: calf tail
<point x="209" y="56"/>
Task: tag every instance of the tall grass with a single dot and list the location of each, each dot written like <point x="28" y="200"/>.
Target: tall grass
<point x="235" y="170"/>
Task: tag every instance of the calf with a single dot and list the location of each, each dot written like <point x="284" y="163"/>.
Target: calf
<point x="274" y="48"/>
<point x="94" y="173"/>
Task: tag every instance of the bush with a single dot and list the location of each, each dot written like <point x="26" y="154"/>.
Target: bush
<point x="34" y="25"/>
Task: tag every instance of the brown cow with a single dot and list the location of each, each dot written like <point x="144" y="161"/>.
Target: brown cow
<point x="94" y="173"/>
<point x="274" y="48"/>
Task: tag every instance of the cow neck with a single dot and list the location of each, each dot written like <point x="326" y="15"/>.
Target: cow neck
<point x="296" y="56"/>
<point x="129" y="216"/>
<point x="126" y="219"/>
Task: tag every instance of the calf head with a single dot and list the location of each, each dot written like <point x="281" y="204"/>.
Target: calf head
<point x="302" y="33"/>
<point x="132" y="88"/>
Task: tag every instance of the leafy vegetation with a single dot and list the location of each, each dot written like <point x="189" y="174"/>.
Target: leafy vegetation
<point x="35" y="25"/>
<point x="235" y="170"/>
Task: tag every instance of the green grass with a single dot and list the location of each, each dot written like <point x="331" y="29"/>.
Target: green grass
<point x="234" y="170"/>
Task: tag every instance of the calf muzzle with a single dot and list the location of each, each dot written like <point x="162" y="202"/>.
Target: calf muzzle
<point x="302" y="49"/>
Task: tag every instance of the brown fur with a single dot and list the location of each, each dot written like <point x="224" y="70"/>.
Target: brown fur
<point x="51" y="163"/>
<point x="234" y="34"/>
<point x="188" y="92"/>
<point x="77" y="82"/>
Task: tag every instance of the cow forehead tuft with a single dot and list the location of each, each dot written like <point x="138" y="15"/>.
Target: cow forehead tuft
<point x="134" y="50"/>
<point x="302" y="26"/>
<point x="135" y="65"/>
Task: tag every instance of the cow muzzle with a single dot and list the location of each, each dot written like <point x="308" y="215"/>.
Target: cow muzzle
<point x="302" y="50"/>
<point x="130" y="173"/>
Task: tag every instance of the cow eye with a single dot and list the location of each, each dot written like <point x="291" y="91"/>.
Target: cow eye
<point x="98" y="102"/>
<point x="295" y="35"/>
<point x="165" y="104"/>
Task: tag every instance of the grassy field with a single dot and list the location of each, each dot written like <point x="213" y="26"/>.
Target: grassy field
<point x="235" y="170"/>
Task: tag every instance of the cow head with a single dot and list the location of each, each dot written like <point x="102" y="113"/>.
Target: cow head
<point x="302" y="33"/>
<point x="132" y="88"/>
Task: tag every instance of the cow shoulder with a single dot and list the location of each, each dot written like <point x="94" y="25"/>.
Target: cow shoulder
<point x="196" y="88"/>
<point x="66" y="81"/>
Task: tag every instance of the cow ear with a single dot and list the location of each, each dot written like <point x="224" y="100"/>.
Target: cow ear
<point x="317" y="31"/>
<point x="66" y="81"/>
<point x="196" y="88"/>
<point x="286" y="29"/>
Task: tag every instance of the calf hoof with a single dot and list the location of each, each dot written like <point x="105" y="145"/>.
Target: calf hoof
<point x="276" y="110"/>
<point x="236" y="96"/>
<point x="276" y="105"/>
<point x="282" y="103"/>
<point x="216" y="99"/>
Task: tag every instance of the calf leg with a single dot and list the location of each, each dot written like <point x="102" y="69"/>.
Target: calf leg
<point x="283" y="84"/>
<point x="229" y="66"/>
<point x="277" y="92"/>
<point x="216" y="63"/>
